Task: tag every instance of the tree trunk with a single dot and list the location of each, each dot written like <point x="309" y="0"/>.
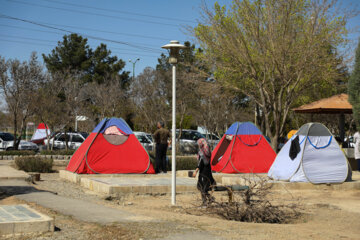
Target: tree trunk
<point x="15" y="145"/>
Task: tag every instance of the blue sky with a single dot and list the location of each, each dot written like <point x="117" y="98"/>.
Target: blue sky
<point x="145" y="25"/>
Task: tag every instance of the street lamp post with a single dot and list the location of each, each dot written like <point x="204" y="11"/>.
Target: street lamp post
<point x="174" y="48"/>
<point x="133" y="63"/>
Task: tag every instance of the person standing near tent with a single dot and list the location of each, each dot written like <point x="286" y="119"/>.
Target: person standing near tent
<point x="205" y="180"/>
<point x="357" y="148"/>
<point x="161" y="137"/>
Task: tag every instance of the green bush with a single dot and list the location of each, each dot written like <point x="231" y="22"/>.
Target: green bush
<point x="16" y="152"/>
<point x="184" y="163"/>
<point x="34" y="164"/>
<point x="57" y="152"/>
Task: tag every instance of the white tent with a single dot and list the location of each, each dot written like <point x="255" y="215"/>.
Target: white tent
<point x="319" y="158"/>
<point x="40" y="133"/>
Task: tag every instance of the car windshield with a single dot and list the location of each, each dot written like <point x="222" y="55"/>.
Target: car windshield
<point x="199" y="135"/>
<point x="6" y="137"/>
<point x="213" y="137"/>
<point x="84" y="134"/>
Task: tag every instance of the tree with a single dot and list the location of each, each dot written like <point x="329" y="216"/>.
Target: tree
<point x="273" y="51"/>
<point x="188" y="78"/>
<point x="150" y="98"/>
<point x="19" y="81"/>
<point x="107" y="99"/>
<point x="354" y="88"/>
<point x="50" y="108"/>
<point x="74" y="55"/>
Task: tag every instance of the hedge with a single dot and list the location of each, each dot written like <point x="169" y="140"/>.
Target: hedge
<point x="182" y="162"/>
<point x="17" y="152"/>
<point x="34" y="164"/>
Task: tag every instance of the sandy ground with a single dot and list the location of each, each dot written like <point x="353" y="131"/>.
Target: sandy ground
<point x="326" y="215"/>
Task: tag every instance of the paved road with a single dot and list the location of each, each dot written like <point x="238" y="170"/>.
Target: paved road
<point x="7" y="172"/>
<point x="79" y="209"/>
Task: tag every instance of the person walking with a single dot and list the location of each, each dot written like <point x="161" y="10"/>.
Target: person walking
<point x="161" y="137"/>
<point x="205" y="179"/>
<point x="357" y="148"/>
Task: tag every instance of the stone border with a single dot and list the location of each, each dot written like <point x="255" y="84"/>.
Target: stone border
<point x="43" y="224"/>
<point x="55" y="157"/>
<point x="280" y="185"/>
<point x="93" y="182"/>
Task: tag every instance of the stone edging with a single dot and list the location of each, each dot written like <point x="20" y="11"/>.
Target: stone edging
<point x="55" y="157"/>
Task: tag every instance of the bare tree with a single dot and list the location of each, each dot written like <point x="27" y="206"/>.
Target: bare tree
<point x="19" y="81"/>
<point x="150" y="97"/>
<point x="107" y="99"/>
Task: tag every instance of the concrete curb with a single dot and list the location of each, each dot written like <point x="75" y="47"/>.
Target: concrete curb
<point x="21" y="219"/>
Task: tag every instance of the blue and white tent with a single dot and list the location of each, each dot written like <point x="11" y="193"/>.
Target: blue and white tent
<point x="311" y="155"/>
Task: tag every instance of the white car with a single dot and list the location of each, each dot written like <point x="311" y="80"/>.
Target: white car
<point x="7" y="143"/>
<point x="146" y="140"/>
<point x="75" y="139"/>
<point x="188" y="140"/>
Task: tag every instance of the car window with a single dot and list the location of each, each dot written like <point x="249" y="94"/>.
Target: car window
<point x="142" y="139"/>
<point x="149" y="136"/>
<point x="213" y="137"/>
<point x="77" y="138"/>
<point x="197" y="136"/>
<point x="61" y="137"/>
<point x="186" y="135"/>
<point x="84" y="134"/>
<point x="7" y="137"/>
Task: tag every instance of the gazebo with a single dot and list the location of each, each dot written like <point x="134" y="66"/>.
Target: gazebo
<point x="337" y="104"/>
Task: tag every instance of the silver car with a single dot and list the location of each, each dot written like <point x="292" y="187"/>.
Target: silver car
<point x="7" y="143"/>
<point x="146" y="140"/>
<point x="75" y="139"/>
<point x="188" y="140"/>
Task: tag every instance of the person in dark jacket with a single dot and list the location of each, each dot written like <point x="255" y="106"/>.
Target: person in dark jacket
<point x="205" y="180"/>
<point x="161" y="137"/>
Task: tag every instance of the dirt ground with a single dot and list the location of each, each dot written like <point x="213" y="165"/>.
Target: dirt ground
<point x="326" y="215"/>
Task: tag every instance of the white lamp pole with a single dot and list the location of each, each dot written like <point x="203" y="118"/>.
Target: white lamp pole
<point x="174" y="48"/>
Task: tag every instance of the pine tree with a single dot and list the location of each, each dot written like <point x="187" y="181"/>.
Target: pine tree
<point x="354" y="88"/>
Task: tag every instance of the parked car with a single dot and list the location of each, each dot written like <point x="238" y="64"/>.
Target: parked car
<point x="349" y="142"/>
<point x="146" y="140"/>
<point x="7" y="143"/>
<point x="188" y="140"/>
<point x="75" y="139"/>
<point x="212" y="139"/>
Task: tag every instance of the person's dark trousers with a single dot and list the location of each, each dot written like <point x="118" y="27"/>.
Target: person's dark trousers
<point x="160" y="157"/>
<point x="358" y="162"/>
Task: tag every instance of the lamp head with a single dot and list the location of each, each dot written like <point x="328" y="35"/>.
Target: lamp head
<point x="174" y="46"/>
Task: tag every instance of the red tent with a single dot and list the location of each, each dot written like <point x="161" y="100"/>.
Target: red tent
<point x="111" y="148"/>
<point x="242" y="149"/>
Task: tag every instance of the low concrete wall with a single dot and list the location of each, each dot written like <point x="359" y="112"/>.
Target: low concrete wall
<point x="25" y="221"/>
<point x="55" y="157"/>
<point x="279" y="185"/>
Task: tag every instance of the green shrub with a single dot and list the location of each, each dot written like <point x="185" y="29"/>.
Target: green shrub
<point x="58" y="152"/>
<point x="16" y="152"/>
<point x="184" y="163"/>
<point x="34" y="164"/>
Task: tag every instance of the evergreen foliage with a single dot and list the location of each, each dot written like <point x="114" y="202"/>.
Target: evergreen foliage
<point x="354" y="88"/>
